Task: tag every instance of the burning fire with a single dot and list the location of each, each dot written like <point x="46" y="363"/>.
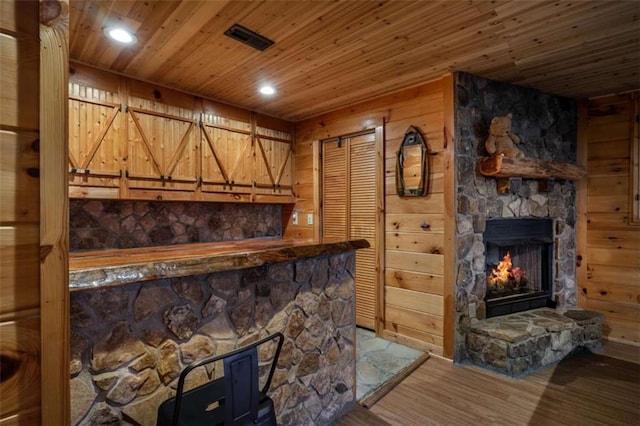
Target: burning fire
<point x="505" y="273"/>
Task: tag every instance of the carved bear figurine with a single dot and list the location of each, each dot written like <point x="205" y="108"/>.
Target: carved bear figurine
<point x="501" y="141"/>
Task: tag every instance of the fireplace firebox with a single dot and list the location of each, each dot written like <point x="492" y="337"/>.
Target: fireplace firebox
<point x="519" y="265"/>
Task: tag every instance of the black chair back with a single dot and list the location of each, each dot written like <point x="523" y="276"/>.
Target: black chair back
<point x="240" y="401"/>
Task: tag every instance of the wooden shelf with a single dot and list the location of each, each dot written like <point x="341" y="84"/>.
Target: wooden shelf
<point x="498" y="166"/>
<point x="108" y="268"/>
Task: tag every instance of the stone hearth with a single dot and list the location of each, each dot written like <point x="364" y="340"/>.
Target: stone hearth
<point x="519" y="343"/>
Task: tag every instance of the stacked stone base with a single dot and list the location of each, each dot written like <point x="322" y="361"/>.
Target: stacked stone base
<point x="520" y="343"/>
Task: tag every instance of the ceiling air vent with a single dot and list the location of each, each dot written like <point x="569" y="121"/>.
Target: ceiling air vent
<point x="249" y="37"/>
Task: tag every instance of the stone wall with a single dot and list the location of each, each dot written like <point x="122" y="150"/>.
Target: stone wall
<point x="130" y="343"/>
<point x="118" y="224"/>
<point x="546" y="125"/>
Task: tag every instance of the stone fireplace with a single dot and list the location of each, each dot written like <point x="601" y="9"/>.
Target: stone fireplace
<point x="546" y="125"/>
<point x="518" y="259"/>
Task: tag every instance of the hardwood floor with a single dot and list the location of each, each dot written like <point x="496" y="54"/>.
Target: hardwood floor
<point x="585" y="389"/>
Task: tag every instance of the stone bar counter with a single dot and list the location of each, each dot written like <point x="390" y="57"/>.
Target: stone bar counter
<point x="139" y="316"/>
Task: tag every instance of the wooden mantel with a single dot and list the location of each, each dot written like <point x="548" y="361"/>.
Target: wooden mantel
<point x="108" y="268"/>
<point x="499" y="166"/>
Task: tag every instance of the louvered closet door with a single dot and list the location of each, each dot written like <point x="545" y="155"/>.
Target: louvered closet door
<point x="334" y="197"/>
<point x="349" y="211"/>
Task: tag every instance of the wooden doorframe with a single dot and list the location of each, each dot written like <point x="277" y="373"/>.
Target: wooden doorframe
<point x="378" y="132"/>
<point x="54" y="212"/>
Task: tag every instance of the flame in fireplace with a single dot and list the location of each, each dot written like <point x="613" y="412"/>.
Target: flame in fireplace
<point x="505" y="273"/>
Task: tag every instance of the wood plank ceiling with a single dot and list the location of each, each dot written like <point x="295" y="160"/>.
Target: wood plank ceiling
<point x="330" y="54"/>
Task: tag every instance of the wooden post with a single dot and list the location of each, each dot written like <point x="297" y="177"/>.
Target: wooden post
<point x="581" y="205"/>
<point x="449" y="217"/>
<point x="380" y="240"/>
<point x="54" y="211"/>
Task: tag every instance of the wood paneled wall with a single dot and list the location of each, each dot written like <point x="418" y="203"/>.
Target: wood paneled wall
<point x="19" y="214"/>
<point x="414" y="226"/>
<point x="608" y="240"/>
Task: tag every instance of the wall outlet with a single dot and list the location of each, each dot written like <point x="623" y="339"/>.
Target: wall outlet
<point x="294" y="218"/>
<point x="472" y="310"/>
<point x="310" y="219"/>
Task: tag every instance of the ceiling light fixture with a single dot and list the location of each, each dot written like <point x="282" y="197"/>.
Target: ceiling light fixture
<point x="120" y="35"/>
<point x="267" y="89"/>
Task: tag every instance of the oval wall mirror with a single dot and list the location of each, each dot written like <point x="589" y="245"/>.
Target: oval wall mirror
<point x="412" y="165"/>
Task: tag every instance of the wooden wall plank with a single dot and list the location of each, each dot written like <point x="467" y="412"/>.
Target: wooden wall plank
<point x="622" y="311"/>
<point x="414" y="300"/>
<point x="426" y="263"/>
<point x="414" y="223"/>
<point x="628" y="238"/>
<point x="612" y="274"/>
<point x="425" y="283"/>
<point x="19" y="268"/>
<point x="19" y="162"/>
<point x="413" y="338"/>
<point x="20" y="384"/>
<point x="626" y="332"/>
<point x="619" y="257"/>
<point x="417" y="320"/>
<point x="421" y="243"/>
<point x="608" y="292"/>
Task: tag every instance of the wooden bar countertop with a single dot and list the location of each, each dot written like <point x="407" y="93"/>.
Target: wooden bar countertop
<point x="108" y="268"/>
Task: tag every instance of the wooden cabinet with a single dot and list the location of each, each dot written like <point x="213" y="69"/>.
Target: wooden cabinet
<point x="135" y="140"/>
<point x="96" y="120"/>
<point x="162" y="143"/>
<point x="273" y="161"/>
<point x="227" y="152"/>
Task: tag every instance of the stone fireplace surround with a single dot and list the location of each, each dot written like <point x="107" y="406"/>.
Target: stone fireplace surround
<point x="547" y="126"/>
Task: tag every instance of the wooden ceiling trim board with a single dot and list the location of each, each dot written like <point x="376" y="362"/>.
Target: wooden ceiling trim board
<point x="597" y="47"/>
<point x="607" y="65"/>
<point x="540" y="18"/>
<point x="557" y="41"/>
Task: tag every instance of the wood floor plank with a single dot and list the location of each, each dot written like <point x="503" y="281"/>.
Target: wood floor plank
<point x="584" y="389"/>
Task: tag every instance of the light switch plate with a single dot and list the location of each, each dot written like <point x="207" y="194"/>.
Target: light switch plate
<point x="294" y="218"/>
<point x="310" y="219"/>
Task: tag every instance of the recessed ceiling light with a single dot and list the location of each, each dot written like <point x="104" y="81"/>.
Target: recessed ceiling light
<point x="120" y="35"/>
<point x="267" y="89"/>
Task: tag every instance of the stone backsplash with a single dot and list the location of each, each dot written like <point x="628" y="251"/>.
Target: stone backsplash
<point x="130" y="343"/>
<point x="119" y="224"/>
<point x="546" y="124"/>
